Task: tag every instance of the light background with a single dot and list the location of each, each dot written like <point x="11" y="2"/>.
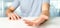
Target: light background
<point x="54" y="7"/>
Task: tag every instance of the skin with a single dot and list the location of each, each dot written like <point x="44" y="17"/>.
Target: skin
<point x="11" y="15"/>
<point x="44" y="15"/>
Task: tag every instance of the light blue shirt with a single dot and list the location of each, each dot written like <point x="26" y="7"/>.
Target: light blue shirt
<point x="30" y="8"/>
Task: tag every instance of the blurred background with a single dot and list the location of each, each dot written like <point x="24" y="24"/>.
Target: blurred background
<point x="0" y="8"/>
<point x="54" y="7"/>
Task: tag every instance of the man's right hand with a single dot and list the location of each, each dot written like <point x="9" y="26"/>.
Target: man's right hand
<point x="13" y="16"/>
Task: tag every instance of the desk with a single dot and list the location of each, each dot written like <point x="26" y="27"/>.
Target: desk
<point x="51" y="23"/>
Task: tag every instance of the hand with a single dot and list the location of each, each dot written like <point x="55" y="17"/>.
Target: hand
<point x="31" y="23"/>
<point x="37" y="21"/>
<point x="13" y="16"/>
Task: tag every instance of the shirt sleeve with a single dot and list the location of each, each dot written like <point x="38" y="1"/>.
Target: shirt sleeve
<point x="15" y="3"/>
<point x="46" y="1"/>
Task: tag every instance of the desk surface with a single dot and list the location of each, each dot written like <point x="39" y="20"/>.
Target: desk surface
<point x="51" y="23"/>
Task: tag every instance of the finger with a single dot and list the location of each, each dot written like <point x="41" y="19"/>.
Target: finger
<point x="36" y="24"/>
<point x="29" y="23"/>
<point x="9" y="18"/>
<point x="17" y="17"/>
<point x="26" y="21"/>
<point x="14" y="18"/>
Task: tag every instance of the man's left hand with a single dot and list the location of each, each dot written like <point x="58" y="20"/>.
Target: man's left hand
<point x="37" y="21"/>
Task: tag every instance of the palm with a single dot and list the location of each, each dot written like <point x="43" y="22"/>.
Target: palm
<point x="36" y="21"/>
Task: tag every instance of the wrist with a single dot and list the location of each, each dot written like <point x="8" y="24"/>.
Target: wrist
<point x="43" y="16"/>
<point x="9" y="13"/>
<point x="42" y="19"/>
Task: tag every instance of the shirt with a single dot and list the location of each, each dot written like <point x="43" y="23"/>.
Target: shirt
<point x="29" y="8"/>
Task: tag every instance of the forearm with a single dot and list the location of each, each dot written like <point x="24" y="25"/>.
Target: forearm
<point x="45" y="9"/>
<point x="44" y="14"/>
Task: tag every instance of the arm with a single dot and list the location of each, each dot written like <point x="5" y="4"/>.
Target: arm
<point x="45" y="9"/>
<point x="45" y="12"/>
<point x="11" y="15"/>
<point x="44" y="15"/>
<point x="10" y="10"/>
